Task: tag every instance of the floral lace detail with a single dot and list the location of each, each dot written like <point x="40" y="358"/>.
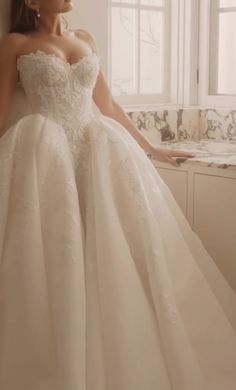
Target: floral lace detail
<point x="166" y="304"/>
<point x="61" y="91"/>
<point x="169" y="308"/>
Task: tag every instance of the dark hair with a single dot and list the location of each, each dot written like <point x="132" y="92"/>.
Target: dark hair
<point x="22" y="18"/>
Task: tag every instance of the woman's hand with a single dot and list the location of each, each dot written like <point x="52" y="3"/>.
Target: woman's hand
<point x="168" y="155"/>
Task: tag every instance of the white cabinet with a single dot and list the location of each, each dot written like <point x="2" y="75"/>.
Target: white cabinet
<point x="207" y="197"/>
<point x="214" y="219"/>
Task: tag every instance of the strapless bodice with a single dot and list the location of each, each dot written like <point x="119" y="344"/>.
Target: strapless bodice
<point x="59" y="90"/>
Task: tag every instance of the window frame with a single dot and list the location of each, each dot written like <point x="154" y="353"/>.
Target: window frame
<point x="205" y="78"/>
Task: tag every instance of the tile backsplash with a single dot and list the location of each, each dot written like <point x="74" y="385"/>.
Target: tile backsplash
<point x="187" y="123"/>
<point x="218" y="124"/>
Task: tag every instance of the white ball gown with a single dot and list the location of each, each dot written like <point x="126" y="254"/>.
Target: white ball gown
<point x="103" y="284"/>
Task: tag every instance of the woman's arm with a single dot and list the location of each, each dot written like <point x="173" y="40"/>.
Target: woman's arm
<point x="8" y="75"/>
<point x="109" y="107"/>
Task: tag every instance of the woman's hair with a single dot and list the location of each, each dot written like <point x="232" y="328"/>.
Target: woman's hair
<point x="22" y="18"/>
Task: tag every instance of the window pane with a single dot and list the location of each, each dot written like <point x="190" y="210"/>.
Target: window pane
<point x="227" y="3"/>
<point x="123" y="51"/>
<point x="151" y="50"/>
<point x="227" y="54"/>
<point x="159" y="3"/>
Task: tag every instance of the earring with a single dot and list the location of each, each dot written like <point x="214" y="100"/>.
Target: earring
<point x="38" y="14"/>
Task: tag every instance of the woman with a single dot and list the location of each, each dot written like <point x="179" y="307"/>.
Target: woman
<point x="103" y="284"/>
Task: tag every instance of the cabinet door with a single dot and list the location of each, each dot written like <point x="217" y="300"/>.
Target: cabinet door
<point x="177" y="182"/>
<point x="214" y="220"/>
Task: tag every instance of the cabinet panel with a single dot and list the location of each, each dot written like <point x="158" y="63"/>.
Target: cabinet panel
<point x="177" y="182"/>
<point x="214" y="220"/>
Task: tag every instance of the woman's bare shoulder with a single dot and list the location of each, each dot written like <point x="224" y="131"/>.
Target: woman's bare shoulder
<point x="11" y="43"/>
<point x="87" y="36"/>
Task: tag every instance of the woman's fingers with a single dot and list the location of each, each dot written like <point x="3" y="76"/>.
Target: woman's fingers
<point x="171" y="161"/>
<point x="172" y="156"/>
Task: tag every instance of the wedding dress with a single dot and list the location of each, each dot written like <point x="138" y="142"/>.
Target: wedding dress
<point x="103" y="284"/>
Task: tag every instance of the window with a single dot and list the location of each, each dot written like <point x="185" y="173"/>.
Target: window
<point x="218" y="53"/>
<point x="139" y="50"/>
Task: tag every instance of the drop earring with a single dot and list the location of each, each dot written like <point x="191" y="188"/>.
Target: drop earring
<point x="38" y="14"/>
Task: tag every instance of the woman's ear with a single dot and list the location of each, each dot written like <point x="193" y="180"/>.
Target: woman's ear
<point x="33" y="4"/>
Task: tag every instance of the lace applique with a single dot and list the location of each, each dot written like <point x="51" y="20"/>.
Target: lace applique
<point x="126" y="173"/>
<point x="122" y="164"/>
<point x="169" y="308"/>
<point x="165" y="296"/>
<point x="61" y="91"/>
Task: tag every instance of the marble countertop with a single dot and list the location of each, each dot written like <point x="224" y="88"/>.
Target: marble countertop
<point x="207" y="152"/>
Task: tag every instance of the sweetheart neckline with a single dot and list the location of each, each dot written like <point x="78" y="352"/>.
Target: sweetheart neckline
<point x="53" y="55"/>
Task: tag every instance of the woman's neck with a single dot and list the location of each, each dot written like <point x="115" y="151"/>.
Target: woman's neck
<point x="51" y="25"/>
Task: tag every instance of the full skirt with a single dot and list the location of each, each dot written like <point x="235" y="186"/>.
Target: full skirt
<point x="103" y="284"/>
